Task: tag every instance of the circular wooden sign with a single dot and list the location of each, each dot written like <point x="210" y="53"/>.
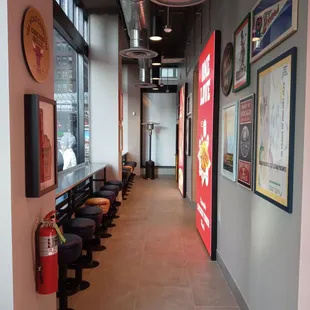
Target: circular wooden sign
<point x="227" y="69"/>
<point x="35" y="45"/>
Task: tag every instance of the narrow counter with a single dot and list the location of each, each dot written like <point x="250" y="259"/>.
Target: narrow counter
<point x="68" y="180"/>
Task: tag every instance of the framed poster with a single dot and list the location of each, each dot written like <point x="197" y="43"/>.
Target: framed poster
<point x="35" y="44"/>
<point x="40" y="145"/>
<point x="227" y="69"/>
<point x="229" y="141"/>
<point x="188" y="136"/>
<point x="275" y="129"/>
<point x="189" y="105"/>
<point x="242" y="66"/>
<point x="181" y="140"/>
<point x="207" y="142"/>
<point x="245" y="141"/>
<point x="273" y="21"/>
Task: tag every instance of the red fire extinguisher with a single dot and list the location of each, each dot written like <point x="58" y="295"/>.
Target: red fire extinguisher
<point x="47" y="255"/>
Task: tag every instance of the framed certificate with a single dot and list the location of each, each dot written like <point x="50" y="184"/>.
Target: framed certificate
<point x="275" y="128"/>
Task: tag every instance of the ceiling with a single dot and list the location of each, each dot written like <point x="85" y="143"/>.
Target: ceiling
<point x="173" y="45"/>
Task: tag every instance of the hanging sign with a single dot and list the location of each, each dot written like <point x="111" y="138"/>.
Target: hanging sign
<point x="207" y="143"/>
<point x="35" y="45"/>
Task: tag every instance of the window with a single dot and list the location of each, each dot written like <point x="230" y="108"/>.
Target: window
<point x="71" y="84"/>
<point x="66" y="96"/>
<point x="86" y="112"/>
<point x="170" y="73"/>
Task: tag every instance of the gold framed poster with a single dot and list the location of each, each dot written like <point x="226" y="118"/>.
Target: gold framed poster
<point x="36" y="45"/>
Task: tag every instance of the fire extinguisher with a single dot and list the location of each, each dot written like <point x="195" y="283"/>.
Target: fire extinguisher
<point x="47" y="255"/>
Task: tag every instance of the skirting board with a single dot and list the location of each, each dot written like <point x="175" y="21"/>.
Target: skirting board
<point x="233" y="286"/>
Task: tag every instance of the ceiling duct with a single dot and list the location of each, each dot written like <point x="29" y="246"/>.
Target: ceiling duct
<point x="178" y="3"/>
<point x="135" y="14"/>
<point x="145" y="74"/>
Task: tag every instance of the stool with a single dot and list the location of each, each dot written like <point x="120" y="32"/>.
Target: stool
<point x="94" y="213"/>
<point x="68" y="252"/>
<point x="111" y="196"/>
<point x="104" y="205"/>
<point x="84" y="228"/>
<point x="115" y="190"/>
<point x="115" y="182"/>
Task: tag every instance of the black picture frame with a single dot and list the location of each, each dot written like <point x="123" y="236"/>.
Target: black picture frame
<point x="40" y="145"/>
<point x="240" y="86"/>
<point x="292" y="55"/>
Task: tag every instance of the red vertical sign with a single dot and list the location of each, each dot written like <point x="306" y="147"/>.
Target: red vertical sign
<point x="181" y="172"/>
<point x="207" y="143"/>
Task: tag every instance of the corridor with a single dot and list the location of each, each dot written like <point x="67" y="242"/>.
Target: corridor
<point x="155" y="259"/>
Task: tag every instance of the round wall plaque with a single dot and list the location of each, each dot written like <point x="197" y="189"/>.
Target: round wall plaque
<point x="227" y="69"/>
<point x="35" y="45"/>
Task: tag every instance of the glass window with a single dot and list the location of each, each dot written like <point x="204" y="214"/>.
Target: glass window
<point x="64" y="6"/>
<point x="66" y="96"/>
<point x="86" y="31"/>
<point x="58" y="61"/>
<point x="71" y="10"/>
<point x="86" y="112"/>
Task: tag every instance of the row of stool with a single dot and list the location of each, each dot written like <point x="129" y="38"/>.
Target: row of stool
<point x="84" y="232"/>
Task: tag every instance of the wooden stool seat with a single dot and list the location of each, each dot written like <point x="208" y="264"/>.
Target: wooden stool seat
<point x="102" y="203"/>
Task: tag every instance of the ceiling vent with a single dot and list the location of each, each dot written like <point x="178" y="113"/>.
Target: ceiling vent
<point x="145" y="74"/>
<point x="137" y="30"/>
<point x="178" y="3"/>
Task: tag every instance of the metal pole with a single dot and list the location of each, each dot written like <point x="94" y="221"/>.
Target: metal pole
<point x="150" y="145"/>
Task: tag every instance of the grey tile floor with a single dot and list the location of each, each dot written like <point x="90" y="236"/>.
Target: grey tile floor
<point x="155" y="259"/>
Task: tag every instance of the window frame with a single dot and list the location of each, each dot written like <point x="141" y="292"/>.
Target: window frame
<point x="66" y="28"/>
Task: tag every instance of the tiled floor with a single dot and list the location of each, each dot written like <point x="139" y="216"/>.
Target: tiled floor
<point x="155" y="259"/>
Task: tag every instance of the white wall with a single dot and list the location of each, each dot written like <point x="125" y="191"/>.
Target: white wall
<point x="133" y="116"/>
<point x="25" y="212"/>
<point x="104" y="92"/>
<point x="258" y="242"/>
<point x="160" y="108"/>
<point x="125" y="107"/>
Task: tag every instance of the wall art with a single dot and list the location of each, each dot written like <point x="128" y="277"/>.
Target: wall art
<point x="229" y="141"/>
<point x="227" y="68"/>
<point x="275" y="126"/>
<point x="273" y="21"/>
<point x="242" y="66"/>
<point x="36" y="44"/>
<point x="245" y="141"/>
<point x="40" y="145"/>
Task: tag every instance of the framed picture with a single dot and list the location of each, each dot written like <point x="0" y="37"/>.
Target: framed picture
<point x="189" y="104"/>
<point x="227" y="68"/>
<point x="229" y="141"/>
<point x="40" y="145"/>
<point x="273" y="21"/>
<point x="242" y="66"/>
<point x="188" y="136"/>
<point x="275" y="129"/>
<point x="245" y="141"/>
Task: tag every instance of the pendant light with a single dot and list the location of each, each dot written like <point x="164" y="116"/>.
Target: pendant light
<point x="155" y="74"/>
<point x="168" y="28"/>
<point x="156" y="34"/>
<point x="157" y="60"/>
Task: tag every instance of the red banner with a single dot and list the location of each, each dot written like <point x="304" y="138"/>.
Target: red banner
<point x="206" y="191"/>
<point x="181" y="172"/>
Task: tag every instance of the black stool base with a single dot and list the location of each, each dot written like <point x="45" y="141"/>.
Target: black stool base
<point x="98" y="248"/>
<point x="72" y="287"/>
<point x="111" y="225"/>
<point x="86" y="264"/>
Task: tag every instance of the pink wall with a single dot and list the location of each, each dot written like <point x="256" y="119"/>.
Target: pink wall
<point x="304" y="268"/>
<point x="25" y="212"/>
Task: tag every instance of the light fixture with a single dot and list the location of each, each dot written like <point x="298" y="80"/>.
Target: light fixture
<point x="155" y="74"/>
<point x="157" y="60"/>
<point x="156" y="29"/>
<point x="167" y="27"/>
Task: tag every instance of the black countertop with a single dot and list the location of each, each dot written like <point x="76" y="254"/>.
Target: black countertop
<point x="68" y="180"/>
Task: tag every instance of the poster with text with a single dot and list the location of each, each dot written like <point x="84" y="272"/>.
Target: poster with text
<point x="275" y="130"/>
<point x="182" y="170"/>
<point x="245" y="141"/>
<point x="207" y="143"/>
